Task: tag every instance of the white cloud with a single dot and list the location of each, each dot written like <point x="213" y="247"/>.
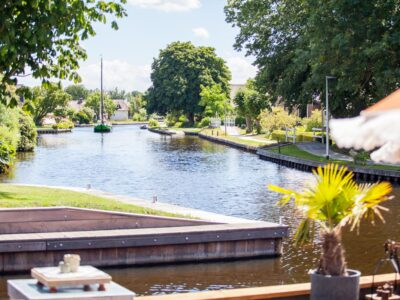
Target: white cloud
<point x="116" y="73"/>
<point x="241" y="69"/>
<point x="201" y="32"/>
<point x="167" y="5"/>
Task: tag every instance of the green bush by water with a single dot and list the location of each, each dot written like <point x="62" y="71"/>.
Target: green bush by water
<point x="28" y="133"/>
<point x="153" y="123"/>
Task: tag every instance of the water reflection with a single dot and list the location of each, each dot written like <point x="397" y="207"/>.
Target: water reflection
<point x="199" y="174"/>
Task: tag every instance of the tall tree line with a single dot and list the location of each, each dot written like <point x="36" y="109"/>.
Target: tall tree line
<point x="297" y="43"/>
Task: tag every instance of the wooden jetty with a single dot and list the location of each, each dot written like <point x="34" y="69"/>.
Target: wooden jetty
<point x="39" y="237"/>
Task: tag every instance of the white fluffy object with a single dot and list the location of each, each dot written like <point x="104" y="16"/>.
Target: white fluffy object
<point x="370" y="131"/>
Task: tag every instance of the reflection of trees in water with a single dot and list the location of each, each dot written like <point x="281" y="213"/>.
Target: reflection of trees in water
<point x="53" y="142"/>
<point x="202" y="276"/>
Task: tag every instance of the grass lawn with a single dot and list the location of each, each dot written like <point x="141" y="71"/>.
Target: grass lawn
<point x="248" y="142"/>
<point x="29" y="196"/>
<point x="293" y="150"/>
<point x="192" y="129"/>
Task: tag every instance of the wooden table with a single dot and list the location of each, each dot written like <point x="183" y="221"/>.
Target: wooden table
<point x="86" y="275"/>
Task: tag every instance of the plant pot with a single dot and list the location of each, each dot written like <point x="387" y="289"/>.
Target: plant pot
<point x="335" y="287"/>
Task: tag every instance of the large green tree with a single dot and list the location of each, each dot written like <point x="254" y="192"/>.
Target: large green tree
<point x="46" y="99"/>
<point x="177" y="75"/>
<point x="298" y="42"/>
<point x="42" y="37"/>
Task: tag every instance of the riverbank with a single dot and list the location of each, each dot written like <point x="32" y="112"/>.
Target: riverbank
<point x="293" y="157"/>
<point x="13" y="196"/>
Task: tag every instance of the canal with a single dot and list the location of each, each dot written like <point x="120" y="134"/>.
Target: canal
<point x="192" y="172"/>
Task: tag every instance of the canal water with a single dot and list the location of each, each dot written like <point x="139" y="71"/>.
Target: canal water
<point x="192" y="172"/>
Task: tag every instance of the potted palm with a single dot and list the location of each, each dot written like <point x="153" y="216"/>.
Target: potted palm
<point x="333" y="201"/>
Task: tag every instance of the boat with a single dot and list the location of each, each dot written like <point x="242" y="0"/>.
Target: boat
<point x="102" y="127"/>
<point x="144" y="126"/>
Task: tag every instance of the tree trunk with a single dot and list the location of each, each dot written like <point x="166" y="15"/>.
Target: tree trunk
<point x="249" y="125"/>
<point x="190" y="117"/>
<point x="332" y="258"/>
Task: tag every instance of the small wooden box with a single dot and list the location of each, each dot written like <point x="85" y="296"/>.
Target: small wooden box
<point x="86" y="276"/>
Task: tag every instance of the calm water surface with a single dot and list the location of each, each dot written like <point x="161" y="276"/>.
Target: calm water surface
<point x="195" y="173"/>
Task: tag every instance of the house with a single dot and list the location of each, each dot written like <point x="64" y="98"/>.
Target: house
<point x="77" y="105"/>
<point x="122" y="111"/>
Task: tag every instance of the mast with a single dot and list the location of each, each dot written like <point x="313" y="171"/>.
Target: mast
<point x="101" y="93"/>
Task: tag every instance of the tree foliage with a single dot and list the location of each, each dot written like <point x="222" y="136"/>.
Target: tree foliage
<point x="93" y="102"/>
<point x="43" y="36"/>
<point x="77" y="91"/>
<point x="46" y="99"/>
<point x="298" y="42"/>
<point x="214" y="100"/>
<point x="249" y="104"/>
<point x="117" y="94"/>
<point x="177" y="75"/>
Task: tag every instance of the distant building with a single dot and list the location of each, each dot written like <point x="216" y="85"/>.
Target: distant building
<point x="76" y="104"/>
<point x="122" y="111"/>
<point x="234" y="89"/>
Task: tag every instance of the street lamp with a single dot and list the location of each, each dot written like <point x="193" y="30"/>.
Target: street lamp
<point x="327" y="113"/>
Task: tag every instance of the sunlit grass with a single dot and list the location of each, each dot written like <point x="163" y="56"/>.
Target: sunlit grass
<point x="31" y="196"/>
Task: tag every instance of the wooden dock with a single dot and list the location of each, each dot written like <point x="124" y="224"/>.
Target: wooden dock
<point x="298" y="291"/>
<point x="52" y="131"/>
<point x="115" y="239"/>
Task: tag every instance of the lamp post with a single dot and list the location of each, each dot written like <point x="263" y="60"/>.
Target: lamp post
<point x="327" y="113"/>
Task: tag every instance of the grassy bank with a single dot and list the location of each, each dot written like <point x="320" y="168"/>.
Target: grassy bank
<point x="30" y="196"/>
<point x="293" y="150"/>
<point x="247" y="140"/>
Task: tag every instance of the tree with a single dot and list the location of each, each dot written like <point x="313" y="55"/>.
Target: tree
<point x="46" y="99"/>
<point x="44" y="36"/>
<point x="136" y="103"/>
<point x="93" y="102"/>
<point x="77" y="91"/>
<point x="214" y="100"/>
<point x="117" y="94"/>
<point x="177" y="75"/>
<point x="249" y="104"/>
<point x="297" y="43"/>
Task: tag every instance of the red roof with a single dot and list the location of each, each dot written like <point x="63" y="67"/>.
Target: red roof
<point x="388" y="103"/>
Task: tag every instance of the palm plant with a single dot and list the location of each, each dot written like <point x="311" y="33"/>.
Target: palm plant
<point x="332" y="202"/>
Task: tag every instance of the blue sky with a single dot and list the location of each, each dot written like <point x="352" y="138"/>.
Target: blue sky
<point x="150" y="26"/>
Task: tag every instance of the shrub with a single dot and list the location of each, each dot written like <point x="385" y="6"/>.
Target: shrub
<point x="7" y="153"/>
<point x="84" y="116"/>
<point x="205" y="122"/>
<point x="153" y="123"/>
<point x="359" y="157"/>
<point x="277" y="119"/>
<point x="315" y="121"/>
<point x="140" y="116"/>
<point x="240" y="121"/>
<point x="178" y="124"/>
<point x="64" y="124"/>
<point x="28" y="133"/>
<point x="278" y="135"/>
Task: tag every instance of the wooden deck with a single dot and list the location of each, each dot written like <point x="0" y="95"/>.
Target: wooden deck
<point x="126" y="239"/>
<point x="290" y="291"/>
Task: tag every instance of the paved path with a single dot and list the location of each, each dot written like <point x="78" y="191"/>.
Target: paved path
<point x="320" y="150"/>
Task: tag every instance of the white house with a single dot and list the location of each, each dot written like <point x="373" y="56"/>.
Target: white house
<point x="122" y="111"/>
